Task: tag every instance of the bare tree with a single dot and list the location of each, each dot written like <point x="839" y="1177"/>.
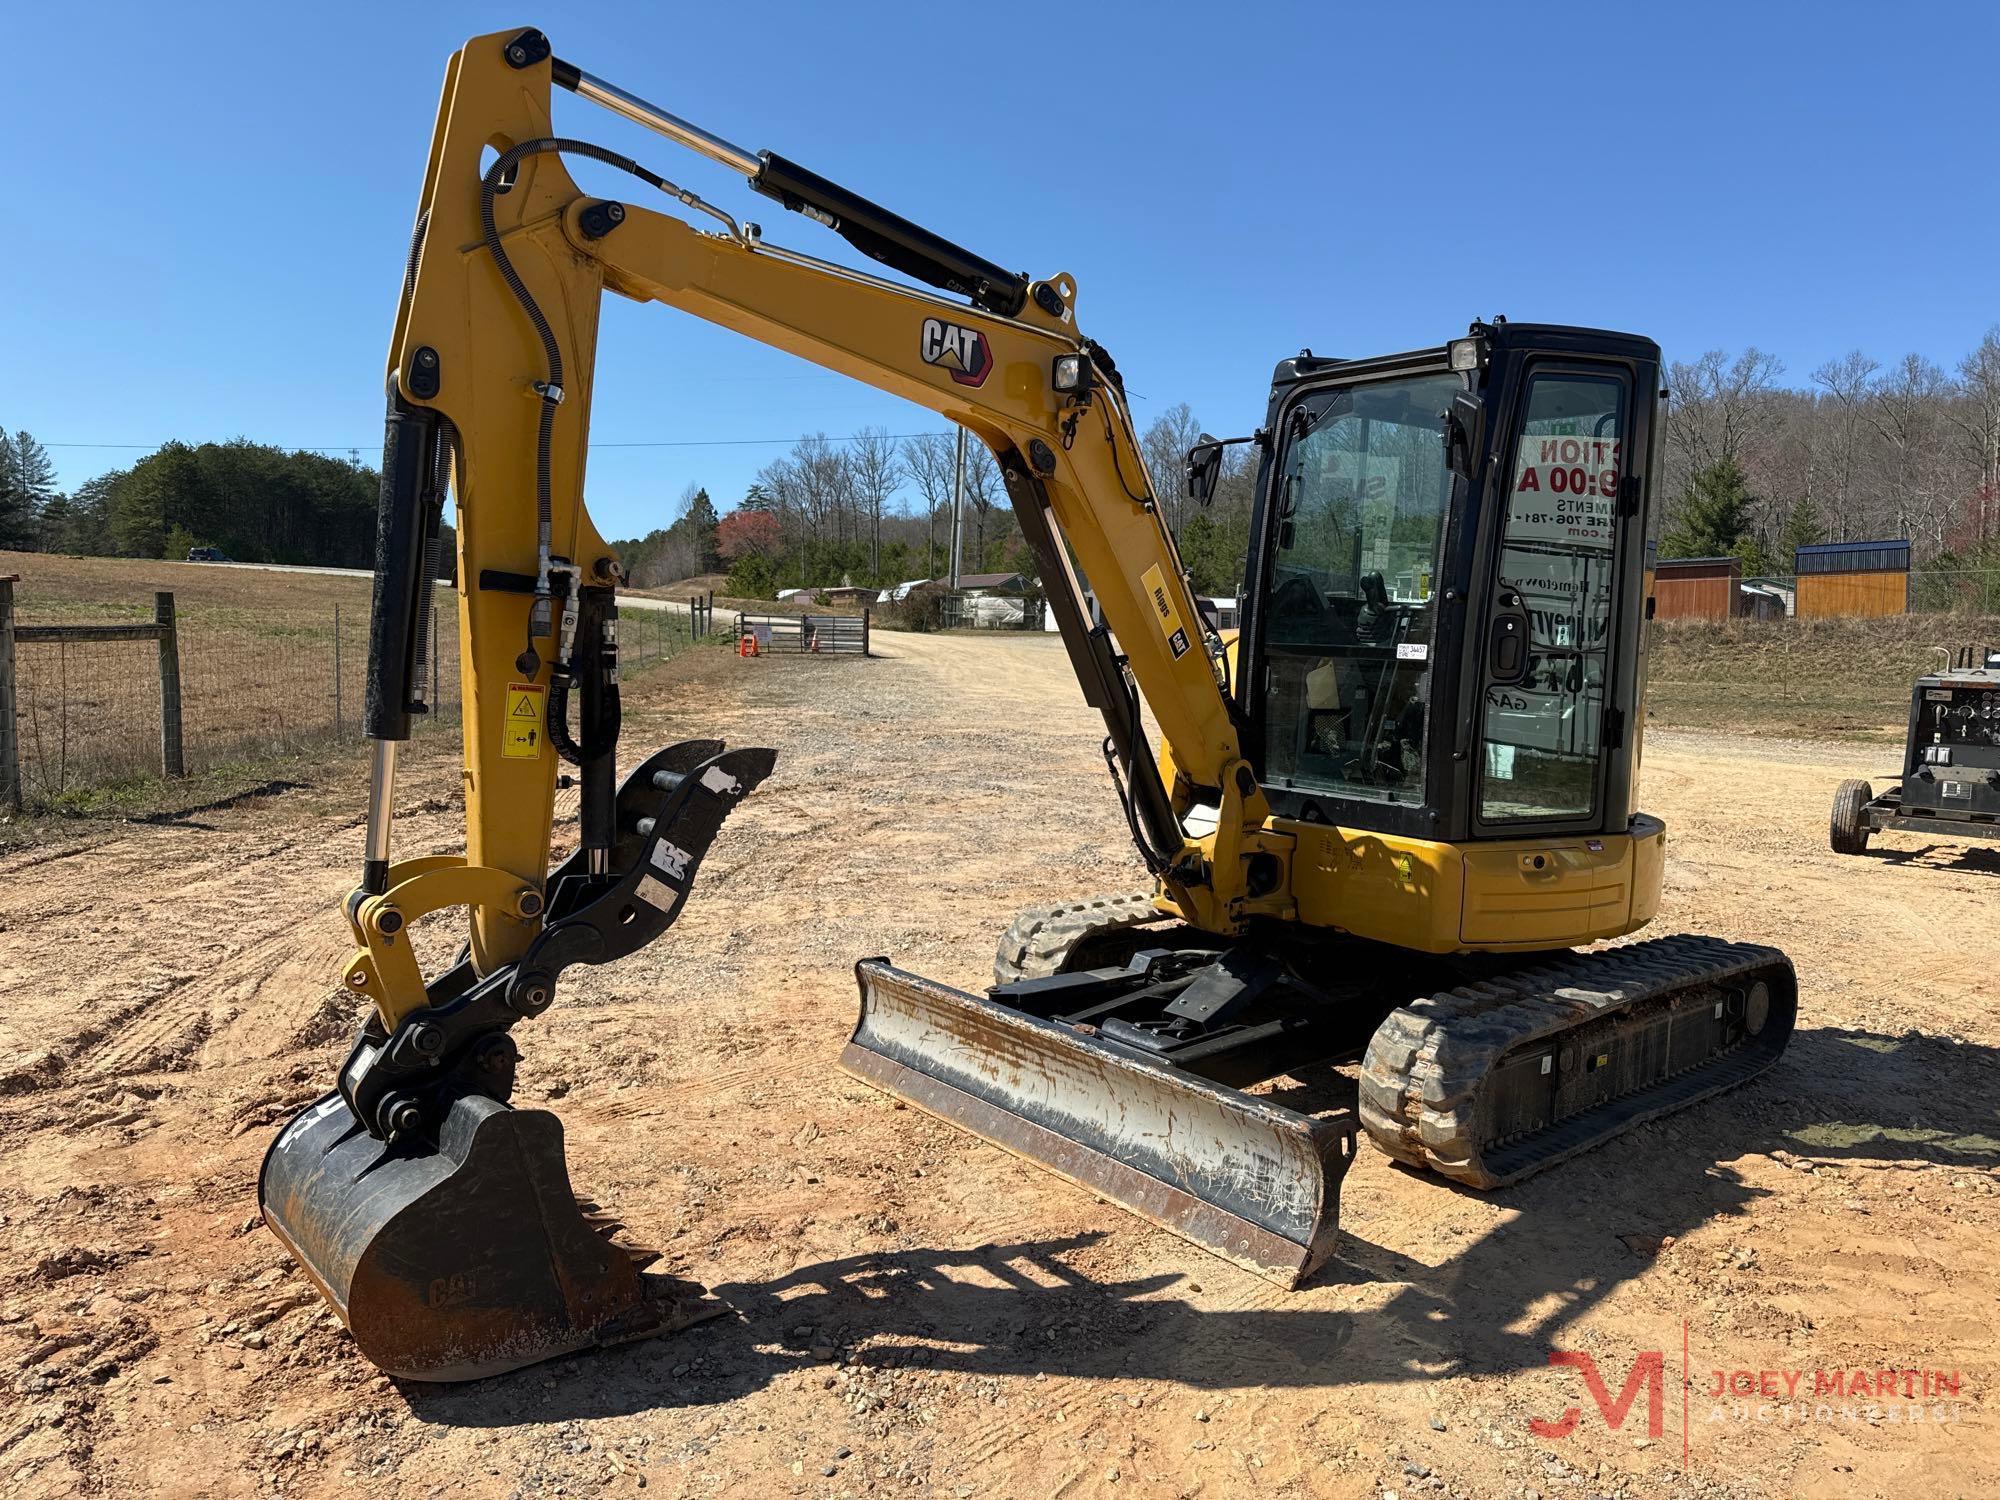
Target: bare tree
<point x="1164" y="448"/>
<point x="930" y="461"/>
<point x="1976" y="416"/>
<point x="1846" y="382"/>
<point x="1717" y="404"/>
<point x="984" y="491"/>
<point x="1906" y="409"/>
<point x="876" y="470"/>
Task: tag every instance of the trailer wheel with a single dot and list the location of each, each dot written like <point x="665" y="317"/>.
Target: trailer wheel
<point x="1846" y="830"/>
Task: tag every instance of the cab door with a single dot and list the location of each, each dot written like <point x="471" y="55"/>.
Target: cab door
<point x="1548" y="727"/>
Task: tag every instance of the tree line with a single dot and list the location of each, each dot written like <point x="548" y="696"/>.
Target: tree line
<point x="875" y="511"/>
<point x="870" y="510"/>
<point x="252" y="501"/>
<point x="1756" y="468"/>
<point x="1752" y="467"/>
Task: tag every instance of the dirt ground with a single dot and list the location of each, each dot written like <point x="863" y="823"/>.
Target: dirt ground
<point x="915" y="1311"/>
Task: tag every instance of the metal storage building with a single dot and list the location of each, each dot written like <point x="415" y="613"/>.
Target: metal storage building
<point x="1697" y="588"/>
<point x="1853" y="579"/>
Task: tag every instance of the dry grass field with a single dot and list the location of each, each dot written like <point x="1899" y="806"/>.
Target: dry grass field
<point x="1845" y="679"/>
<point x="273" y="666"/>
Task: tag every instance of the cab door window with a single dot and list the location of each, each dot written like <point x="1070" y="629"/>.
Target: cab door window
<point x="1557" y="575"/>
<point x="1347" y="643"/>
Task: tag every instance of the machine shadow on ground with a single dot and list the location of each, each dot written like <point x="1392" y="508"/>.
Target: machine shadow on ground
<point x="1496" y="1306"/>
<point x="1955" y="859"/>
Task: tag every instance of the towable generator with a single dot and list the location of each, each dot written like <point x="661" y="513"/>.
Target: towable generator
<point x="1382" y="817"/>
<point x="1950" y="780"/>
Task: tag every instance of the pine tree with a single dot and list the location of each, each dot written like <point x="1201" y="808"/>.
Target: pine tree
<point x="18" y="502"/>
<point x="55" y="526"/>
<point x="89" y="529"/>
<point x="1715" y="517"/>
<point x="1802" y="528"/>
<point x="701" y="522"/>
<point x="34" y="478"/>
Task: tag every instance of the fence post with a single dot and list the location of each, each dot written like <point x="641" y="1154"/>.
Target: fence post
<point x="170" y="685"/>
<point x="10" y="755"/>
<point x="864" y="632"/>
<point x="336" y="673"/>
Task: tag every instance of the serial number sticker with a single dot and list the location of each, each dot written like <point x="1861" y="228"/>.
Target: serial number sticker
<point x="1165" y="611"/>
<point x="1413" y="651"/>
<point x="658" y="893"/>
<point x="524" y="729"/>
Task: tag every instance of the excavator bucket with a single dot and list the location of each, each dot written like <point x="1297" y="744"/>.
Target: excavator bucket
<point x="461" y="1254"/>
<point x="1239" y="1176"/>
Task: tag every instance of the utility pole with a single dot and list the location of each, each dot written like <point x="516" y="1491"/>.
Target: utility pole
<point x="958" y="510"/>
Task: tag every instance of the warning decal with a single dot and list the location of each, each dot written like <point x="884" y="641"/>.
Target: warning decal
<point x="1164" y="611"/>
<point x="526" y="724"/>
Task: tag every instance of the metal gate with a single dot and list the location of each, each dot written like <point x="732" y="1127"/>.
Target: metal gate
<point x="823" y="634"/>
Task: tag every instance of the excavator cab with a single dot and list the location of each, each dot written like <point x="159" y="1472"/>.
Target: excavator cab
<point x="1440" y="645"/>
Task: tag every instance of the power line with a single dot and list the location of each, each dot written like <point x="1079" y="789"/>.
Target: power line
<point x="661" y="443"/>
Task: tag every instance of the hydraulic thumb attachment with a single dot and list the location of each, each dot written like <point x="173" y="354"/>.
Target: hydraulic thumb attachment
<point x="439" y="1222"/>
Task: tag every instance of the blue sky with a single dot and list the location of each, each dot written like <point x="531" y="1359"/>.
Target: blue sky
<point x="210" y="212"/>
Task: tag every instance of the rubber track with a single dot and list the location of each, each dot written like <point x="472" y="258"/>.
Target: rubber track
<point x="1040" y="938"/>
<point x="1421" y="1081"/>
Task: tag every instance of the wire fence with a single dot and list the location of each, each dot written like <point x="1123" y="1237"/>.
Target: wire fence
<point x="992" y="612"/>
<point x="254" y="682"/>
<point x="1941" y="591"/>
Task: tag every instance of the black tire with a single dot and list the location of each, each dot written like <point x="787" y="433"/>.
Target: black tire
<point x="1847" y="830"/>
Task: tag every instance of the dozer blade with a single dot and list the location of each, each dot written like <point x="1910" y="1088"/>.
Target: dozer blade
<point x="1239" y="1176"/>
<point x="462" y="1256"/>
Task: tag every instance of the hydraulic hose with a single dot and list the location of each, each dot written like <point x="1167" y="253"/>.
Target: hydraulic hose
<point x="503" y="170"/>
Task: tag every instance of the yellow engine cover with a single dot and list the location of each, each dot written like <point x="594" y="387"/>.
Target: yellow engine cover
<point x="1514" y="894"/>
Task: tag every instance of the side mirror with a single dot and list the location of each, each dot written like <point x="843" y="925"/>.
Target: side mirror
<point x="1204" y="469"/>
<point x="1464" y="433"/>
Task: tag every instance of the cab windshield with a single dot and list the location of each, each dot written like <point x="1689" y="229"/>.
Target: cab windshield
<point x="1361" y="505"/>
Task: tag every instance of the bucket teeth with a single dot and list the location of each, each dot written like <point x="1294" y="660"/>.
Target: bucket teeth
<point x="600" y="1221"/>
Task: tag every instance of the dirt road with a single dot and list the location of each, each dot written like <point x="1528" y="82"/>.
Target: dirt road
<point x="917" y="1312"/>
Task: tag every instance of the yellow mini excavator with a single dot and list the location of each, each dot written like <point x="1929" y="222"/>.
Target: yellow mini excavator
<point x="1384" y="816"/>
